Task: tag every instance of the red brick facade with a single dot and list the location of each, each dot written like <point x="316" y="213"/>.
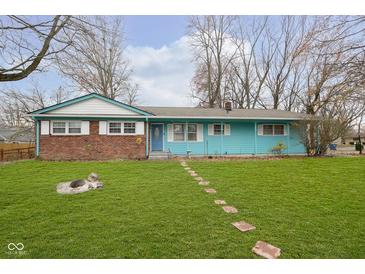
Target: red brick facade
<point x="93" y="146"/>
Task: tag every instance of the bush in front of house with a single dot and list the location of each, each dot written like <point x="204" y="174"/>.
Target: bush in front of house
<point x="279" y="148"/>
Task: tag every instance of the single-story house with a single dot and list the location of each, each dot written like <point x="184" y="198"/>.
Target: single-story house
<point x="352" y="139"/>
<point x="96" y="127"/>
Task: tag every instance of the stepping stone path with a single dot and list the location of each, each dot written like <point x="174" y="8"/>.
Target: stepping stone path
<point x="230" y="209"/>
<point x="243" y="226"/>
<point x="266" y="250"/>
<point x="210" y="190"/>
<point x="261" y="248"/>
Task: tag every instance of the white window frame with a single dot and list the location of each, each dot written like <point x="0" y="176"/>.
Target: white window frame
<point x="221" y="131"/>
<point x="186" y="133"/>
<point x="273" y="130"/>
<point x="196" y="132"/>
<point x="67" y="127"/>
<point x="173" y="133"/>
<point x="115" y="133"/>
<point x="121" y="128"/>
<point x="129" y="133"/>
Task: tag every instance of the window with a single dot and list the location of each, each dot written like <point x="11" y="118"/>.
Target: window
<point x="268" y="130"/>
<point x="74" y="127"/>
<point x="278" y="129"/>
<point x="115" y="127"/>
<point x="66" y="127"/>
<point x="179" y="132"/>
<point x="59" y="127"/>
<point x="192" y="132"/>
<point x="182" y="130"/>
<point x="218" y="129"/>
<point x="129" y="127"/>
<point x="273" y="130"/>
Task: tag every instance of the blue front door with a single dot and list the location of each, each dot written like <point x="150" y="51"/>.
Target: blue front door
<point x="157" y="137"/>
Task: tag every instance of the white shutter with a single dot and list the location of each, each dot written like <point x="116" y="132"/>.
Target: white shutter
<point x="260" y="130"/>
<point x="227" y="129"/>
<point x="85" y="127"/>
<point x="200" y="133"/>
<point x="102" y="127"/>
<point x="139" y="128"/>
<point x="170" y="133"/>
<point x="211" y="129"/>
<point x="44" y="127"/>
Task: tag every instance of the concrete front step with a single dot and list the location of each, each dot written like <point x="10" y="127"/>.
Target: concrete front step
<point x="158" y="155"/>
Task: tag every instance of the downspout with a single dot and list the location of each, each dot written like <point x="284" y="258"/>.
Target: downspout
<point x="318" y="140"/>
<point x="186" y="138"/>
<point x="147" y="136"/>
<point x="37" y="150"/>
<point x="255" y="138"/>
<point x="288" y="139"/>
<point x="222" y="130"/>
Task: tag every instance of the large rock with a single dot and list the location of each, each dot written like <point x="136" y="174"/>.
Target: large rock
<point x="93" y="177"/>
<point x="77" y="183"/>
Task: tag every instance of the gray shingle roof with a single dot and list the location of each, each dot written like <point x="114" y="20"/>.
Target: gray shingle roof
<point x="222" y="113"/>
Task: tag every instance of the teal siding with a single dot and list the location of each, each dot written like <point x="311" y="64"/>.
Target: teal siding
<point x="241" y="141"/>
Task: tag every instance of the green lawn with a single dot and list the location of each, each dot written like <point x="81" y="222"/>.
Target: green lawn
<point x="310" y="208"/>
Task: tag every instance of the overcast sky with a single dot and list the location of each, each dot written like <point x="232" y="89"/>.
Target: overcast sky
<point x="159" y="55"/>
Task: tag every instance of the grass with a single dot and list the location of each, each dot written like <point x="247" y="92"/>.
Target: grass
<point x="310" y="208"/>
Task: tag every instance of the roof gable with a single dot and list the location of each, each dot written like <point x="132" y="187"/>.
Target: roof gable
<point x="93" y="104"/>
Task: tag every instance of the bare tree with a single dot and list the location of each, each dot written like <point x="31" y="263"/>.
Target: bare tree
<point x="210" y="39"/>
<point x="95" y="60"/>
<point x="289" y="43"/>
<point x="26" y="41"/>
<point x="329" y="88"/>
<point x="131" y="94"/>
<point x="15" y="104"/>
<point x="248" y="71"/>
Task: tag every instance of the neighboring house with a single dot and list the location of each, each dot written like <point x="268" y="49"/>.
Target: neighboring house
<point x="96" y="127"/>
<point x="353" y="139"/>
<point x="16" y="135"/>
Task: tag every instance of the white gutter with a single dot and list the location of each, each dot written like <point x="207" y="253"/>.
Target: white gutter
<point x="164" y="117"/>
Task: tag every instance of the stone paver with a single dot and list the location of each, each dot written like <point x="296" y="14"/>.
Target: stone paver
<point x="230" y="209"/>
<point x="193" y="174"/>
<point x="210" y="190"/>
<point x="203" y="183"/>
<point x="220" y="202"/>
<point x="243" y="226"/>
<point x="187" y="168"/>
<point x="266" y="250"/>
<point x="198" y="178"/>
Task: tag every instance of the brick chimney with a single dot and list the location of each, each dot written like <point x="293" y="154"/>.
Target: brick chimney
<point x="228" y="106"/>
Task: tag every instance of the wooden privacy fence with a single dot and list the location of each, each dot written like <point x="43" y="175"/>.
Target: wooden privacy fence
<point x="17" y="154"/>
